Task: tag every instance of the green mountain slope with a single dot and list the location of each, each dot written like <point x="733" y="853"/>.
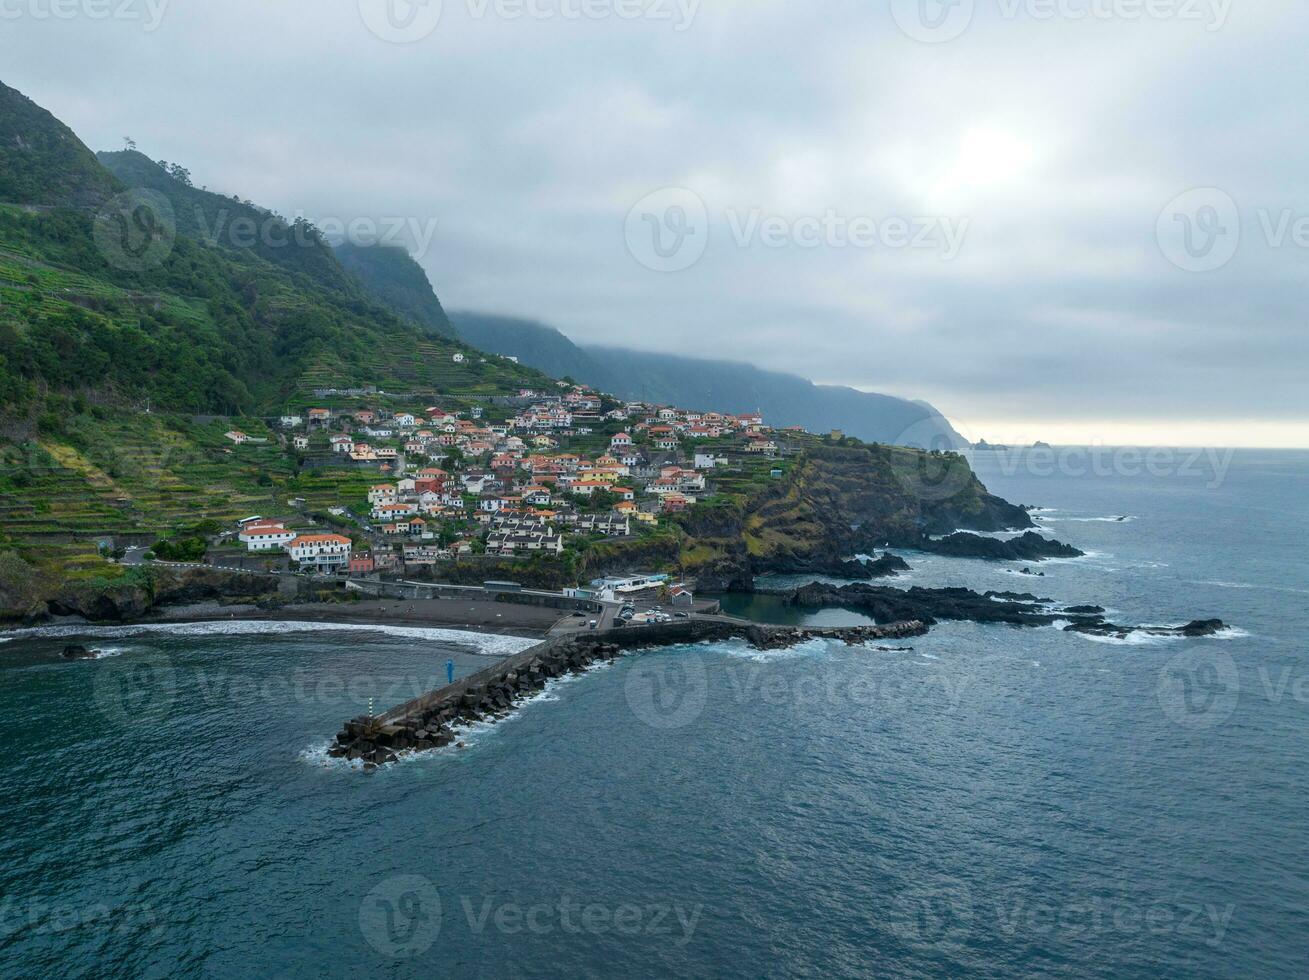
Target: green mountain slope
<point x="235" y="224"/>
<point x="393" y="279"/>
<point x="134" y="303"/>
<point x="722" y="386"/>
<point x="42" y="162"/>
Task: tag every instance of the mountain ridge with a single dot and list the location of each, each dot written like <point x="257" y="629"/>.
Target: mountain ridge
<point x="712" y="384"/>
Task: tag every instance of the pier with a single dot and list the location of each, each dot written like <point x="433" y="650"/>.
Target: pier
<point x="429" y="721"/>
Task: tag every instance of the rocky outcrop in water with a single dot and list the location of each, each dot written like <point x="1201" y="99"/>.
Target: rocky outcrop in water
<point x="1028" y="547"/>
<point x="1195" y="629"/>
<point x="886" y="604"/>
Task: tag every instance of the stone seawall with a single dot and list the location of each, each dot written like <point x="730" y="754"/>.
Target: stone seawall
<point x="428" y="722"/>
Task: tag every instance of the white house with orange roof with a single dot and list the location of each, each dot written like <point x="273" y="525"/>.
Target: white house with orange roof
<point x="382" y="493"/>
<point x="394" y="511"/>
<point x="265" y="535"/>
<point x="323" y="552"/>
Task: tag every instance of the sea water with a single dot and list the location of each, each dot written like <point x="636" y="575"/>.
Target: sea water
<point x="993" y="802"/>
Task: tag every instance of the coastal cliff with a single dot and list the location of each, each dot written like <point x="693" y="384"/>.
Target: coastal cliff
<point x="840" y="500"/>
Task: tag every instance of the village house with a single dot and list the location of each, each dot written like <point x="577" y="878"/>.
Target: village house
<point x="265" y="536"/>
<point x="321" y="552"/>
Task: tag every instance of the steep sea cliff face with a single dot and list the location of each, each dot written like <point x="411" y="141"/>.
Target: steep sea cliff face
<point x="841" y="500"/>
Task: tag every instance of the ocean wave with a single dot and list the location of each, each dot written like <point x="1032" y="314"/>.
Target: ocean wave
<point x="1144" y="639"/>
<point x="1132" y="640"/>
<point x="1116" y="519"/>
<point x="1249" y="585"/>
<point x="486" y="642"/>
<point x="739" y="649"/>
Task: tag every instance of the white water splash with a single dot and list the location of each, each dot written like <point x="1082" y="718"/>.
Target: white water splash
<point x="485" y="642"/>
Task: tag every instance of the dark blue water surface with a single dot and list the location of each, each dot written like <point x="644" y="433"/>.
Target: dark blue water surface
<point x="994" y="802"/>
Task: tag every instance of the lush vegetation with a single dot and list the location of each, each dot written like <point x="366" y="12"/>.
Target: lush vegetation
<point x="390" y="276"/>
<point x="41" y="162"/>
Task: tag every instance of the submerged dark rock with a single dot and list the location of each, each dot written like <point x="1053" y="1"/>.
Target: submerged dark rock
<point x="75" y="652"/>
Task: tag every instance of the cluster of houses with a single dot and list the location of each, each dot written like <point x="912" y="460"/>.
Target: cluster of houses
<point x="456" y="485"/>
<point x="319" y="552"/>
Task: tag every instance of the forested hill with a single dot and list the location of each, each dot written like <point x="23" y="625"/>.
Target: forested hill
<point x="390" y="276"/>
<point x="723" y="386"/>
<point x="229" y="222"/>
<point x="118" y="291"/>
<point x="42" y="162"/>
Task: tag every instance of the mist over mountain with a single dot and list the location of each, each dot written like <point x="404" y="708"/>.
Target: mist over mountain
<point x="724" y="386"/>
<point x="391" y="276"/>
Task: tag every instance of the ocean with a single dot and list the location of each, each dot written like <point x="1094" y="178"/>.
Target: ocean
<point x="987" y="801"/>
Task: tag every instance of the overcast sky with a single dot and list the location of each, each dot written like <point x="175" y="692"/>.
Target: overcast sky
<point x="980" y="203"/>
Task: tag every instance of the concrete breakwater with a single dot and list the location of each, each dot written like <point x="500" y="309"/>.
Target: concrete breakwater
<point x="430" y="721"/>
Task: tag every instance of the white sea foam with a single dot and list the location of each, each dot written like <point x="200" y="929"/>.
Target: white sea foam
<point x="1115" y="519"/>
<point x="739" y="649"/>
<point x="1144" y="639"/>
<point x="1249" y="585"/>
<point x="1132" y="640"/>
<point x="486" y="642"/>
<point x="101" y="653"/>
